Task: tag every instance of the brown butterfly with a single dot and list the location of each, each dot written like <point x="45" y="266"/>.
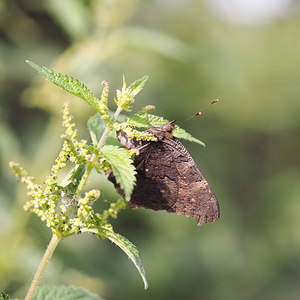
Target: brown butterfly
<point x="168" y="178"/>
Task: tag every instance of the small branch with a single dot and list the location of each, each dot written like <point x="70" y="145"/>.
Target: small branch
<point x="107" y="129"/>
<point x="85" y="176"/>
<point x="94" y="157"/>
<point x="45" y="260"/>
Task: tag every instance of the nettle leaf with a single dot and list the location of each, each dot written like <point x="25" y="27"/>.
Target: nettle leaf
<point x="96" y="127"/>
<point x="137" y="86"/>
<point x="72" y="180"/>
<point x="122" y="166"/>
<point x="112" y="139"/>
<point x="69" y="84"/>
<point x="64" y="293"/>
<point x="4" y="296"/>
<point x="105" y="230"/>
<point x="182" y="134"/>
<point x="147" y="121"/>
<point x="125" y="97"/>
<point x="131" y="251"/>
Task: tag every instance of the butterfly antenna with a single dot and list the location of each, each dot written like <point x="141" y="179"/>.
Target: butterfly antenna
<point x="198" y="113"/>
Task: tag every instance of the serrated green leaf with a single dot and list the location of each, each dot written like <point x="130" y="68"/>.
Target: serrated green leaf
<point x="64" y="293"/>
<point x="137" y="86"/>
<point x="105" y="230"/>
<point x="125" y="98"/>
<point x="112" y="139"/>
<point x="145" y="120"/>
<point x="96" y="127"/>
<point x="72" y="180"/>
<point x="182" y="134"/>
<point x="69" y="84"/>
<point x="130" y="250"/>
<point x="122" y="166"/>
<point x="4" y="296"/>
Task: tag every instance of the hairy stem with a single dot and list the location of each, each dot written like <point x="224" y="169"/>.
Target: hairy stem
<point x="107" y="129"/>
<point x="94" y="157"/>
<point x="45" y="260"/>
<point x="85" y="176"/>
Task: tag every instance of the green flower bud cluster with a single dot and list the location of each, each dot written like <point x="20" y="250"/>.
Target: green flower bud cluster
<point x="65" y="212"/>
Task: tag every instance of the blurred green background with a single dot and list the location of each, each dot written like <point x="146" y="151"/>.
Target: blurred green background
<point x="247" y="54"/>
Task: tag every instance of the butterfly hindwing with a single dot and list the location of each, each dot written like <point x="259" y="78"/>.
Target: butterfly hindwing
<point x="174" y="183"/>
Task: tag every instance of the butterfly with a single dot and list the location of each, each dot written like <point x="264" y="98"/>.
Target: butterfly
<point x="168" y="178"/>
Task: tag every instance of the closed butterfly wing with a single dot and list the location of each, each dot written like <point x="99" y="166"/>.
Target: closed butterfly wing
<point x="168" y="179"/>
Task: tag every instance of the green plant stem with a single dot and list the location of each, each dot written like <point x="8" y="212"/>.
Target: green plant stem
<point x="94" y="157"/>
<point x="107" y="129"/>
<point x="85" y="175"/>
<point x="45" y="260"/>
